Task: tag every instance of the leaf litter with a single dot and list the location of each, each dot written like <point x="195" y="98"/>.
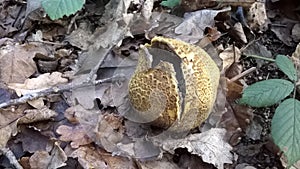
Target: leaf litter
<point x="96" y="112"/>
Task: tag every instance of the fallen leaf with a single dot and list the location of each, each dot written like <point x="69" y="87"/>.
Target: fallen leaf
<point x="162" y="24"/>
<point x="80" y="37"/>
<point x="210" y="145"/>
<point x="75" y="134"/>
<point x="109" y="131"/>
<point x="283" y="33"/>
<point x="93" y="157"/>
<point x="8" y="123"/>
<point x="296" y="32"/>
<point x="42" y="159"/>
<point x="158" y="164"/>
<point x="43" y="81"/>
<point x="35" y="115"/>
<point x="230" y="56"/>
<point x="16" y="62"/>
<point x="192" y="28"/>
<point x="79" y="115"/>
<point x="32" y="140"/>
<point x="238" y="33"/>
<point x="258" y="49"/>
<point x="257" y="16"/>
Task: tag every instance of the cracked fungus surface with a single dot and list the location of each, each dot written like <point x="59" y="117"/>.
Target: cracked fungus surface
<point x="201" y="76"/>
<point x="142" y="91"/>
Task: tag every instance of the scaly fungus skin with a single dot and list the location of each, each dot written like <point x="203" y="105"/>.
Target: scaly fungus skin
<point x="158" y="85"/>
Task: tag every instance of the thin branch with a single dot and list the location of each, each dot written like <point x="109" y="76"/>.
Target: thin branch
<point x="246" y="72"/>
<point x="59" y="89"/>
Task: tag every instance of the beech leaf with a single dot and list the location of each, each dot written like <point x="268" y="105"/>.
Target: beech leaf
<point x="286" y="66"/>
<point x="266" y="93"/>
<point x="286" y="129"/>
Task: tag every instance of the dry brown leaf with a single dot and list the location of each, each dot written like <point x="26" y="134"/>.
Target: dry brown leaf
<point x="77" y="114"/>
<point x="6" y="132"/>
<point x="296" y="32"/>
<point x="192" y="28"/>
<point x="158" y="164"/>
<point x="161" y="23"/>
<point x="35" y="115"/>
<point x="16" y="62"/>
<point x="239" y="32"/>
<point x="41" y="82"/>
<point x="257" y="16"/>
<point x="24" y="161"/>
<point x="109" y="131"/>
<point x="80" y="37"/>
<point x="236" y="117"/>
<point x="93" y="157"/>
<point x="32" y="140"/>
<point x="86" y="126"/>
<point x="230" y="56"/>
<point x="76" y="134"/>
<point x="210" y="145"/>
<point x="283" y="33"/>
<point x="42" y="159"/>
<point x="8" y="123"/>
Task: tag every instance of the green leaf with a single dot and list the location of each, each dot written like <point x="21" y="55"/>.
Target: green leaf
<point x="286" y="66"/>
<point x="170" y="3"/>
<point x="58" y="8"/>
<point x="266" y="93"/>
<point x="285" y="129"/>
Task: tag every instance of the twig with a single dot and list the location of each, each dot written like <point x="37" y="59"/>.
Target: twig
<point x="58" y="89"/>
<point x="95" y="69"/>
<point x="246" y="72"/>
<point x="71" y="23"/>
<point x="11" y="157"/>
<point x="260" y="57"/>
<point x="47" y="42"/>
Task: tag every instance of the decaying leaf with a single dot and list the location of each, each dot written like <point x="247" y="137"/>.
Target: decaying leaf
<point x="257" y="16"/>
<point x="239" y="33"/>
<point x="16" y="62"/>
<point x="230" y="56"/>
<point x="8" y="123"/>
<point x="283" y="33"/>
<point x="93" y="157"/>
<point x="192" y="28"/>
<point x="41" y="82"/>
<point x="42" y="159"/>
<point x="84" y="131"/>
<point x="296" y="32"/>
<point x="78" y="115"/>
<point x="109" y="131"/>
<point x="210" y="145"/>
<point x="32" y="140"/>
<point x="75" y="134"/>
<point x="158" y="164"/>
<point x="35" y="115"/>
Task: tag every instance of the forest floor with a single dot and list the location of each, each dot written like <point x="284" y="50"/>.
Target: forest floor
<point x="64" y="83"/>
